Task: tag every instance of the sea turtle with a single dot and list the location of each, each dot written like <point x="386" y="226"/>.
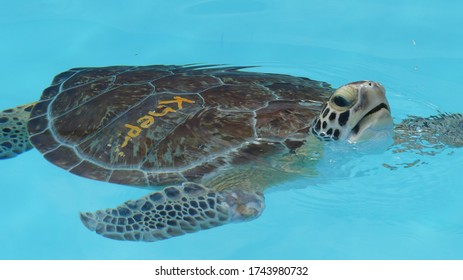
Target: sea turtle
<point x="209" y="139"/>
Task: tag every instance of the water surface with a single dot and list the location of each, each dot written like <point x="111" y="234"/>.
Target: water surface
<point x="355" y="209"/>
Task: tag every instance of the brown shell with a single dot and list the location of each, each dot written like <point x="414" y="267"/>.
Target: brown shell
<point x="157" y="125"/>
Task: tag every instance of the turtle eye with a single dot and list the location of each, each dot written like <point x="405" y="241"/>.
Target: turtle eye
<point x="344" y="97"/>
<point x="340" y="101"/>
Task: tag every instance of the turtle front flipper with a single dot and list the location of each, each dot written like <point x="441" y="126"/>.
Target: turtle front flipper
<point x="14" y="138"/>
<point x="174" y="211"/>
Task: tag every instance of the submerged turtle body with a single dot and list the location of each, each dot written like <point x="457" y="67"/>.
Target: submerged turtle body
<point x="158" y="125"/>
<point x="214" y="137"/>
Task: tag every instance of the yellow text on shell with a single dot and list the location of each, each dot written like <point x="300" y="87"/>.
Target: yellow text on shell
<point x="147" y="120"/>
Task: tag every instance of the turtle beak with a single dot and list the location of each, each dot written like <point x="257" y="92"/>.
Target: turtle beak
<point x="374" y="125"/>
<point x="376" y="122"/>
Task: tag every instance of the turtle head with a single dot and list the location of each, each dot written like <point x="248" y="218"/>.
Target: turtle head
<point x="355" y="112"/>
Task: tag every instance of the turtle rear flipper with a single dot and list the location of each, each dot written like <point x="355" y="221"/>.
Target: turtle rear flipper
<point x="14" y="138"/>
<point x="174" y="211"/>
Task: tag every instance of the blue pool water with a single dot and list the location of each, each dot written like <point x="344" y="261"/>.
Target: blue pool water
<point x="355" y="209"/>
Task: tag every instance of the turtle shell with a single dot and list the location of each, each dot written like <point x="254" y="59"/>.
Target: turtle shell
<point x="158" y="125"/>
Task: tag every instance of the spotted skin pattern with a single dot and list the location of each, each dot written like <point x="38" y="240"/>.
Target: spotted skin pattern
<point x="14" y="138"/>
<point x="174" y="211"/>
